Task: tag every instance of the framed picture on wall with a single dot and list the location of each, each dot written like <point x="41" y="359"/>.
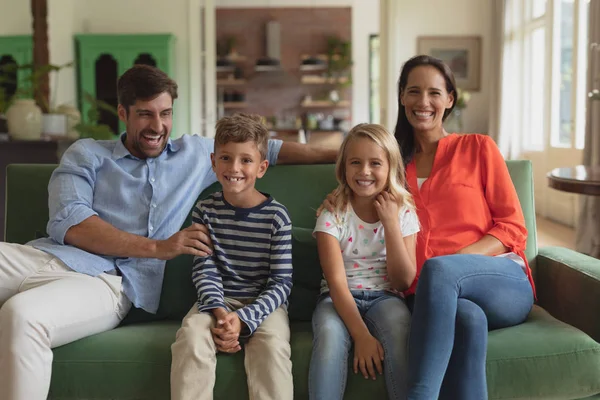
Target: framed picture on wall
<point x="461" y="53"/>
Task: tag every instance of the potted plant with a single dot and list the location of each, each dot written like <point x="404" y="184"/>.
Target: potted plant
<point x="339" y="61"/>
<point x="25" y="119"/>
<point x="91" y="128"/>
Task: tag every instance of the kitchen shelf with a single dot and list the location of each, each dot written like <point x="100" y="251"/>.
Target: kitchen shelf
<point x="326" y="104"/>
<point x="225" y="69"/>
<point x="231" y="82"/>
<point x="321" y="80"/>
<point x="235" y="104"/>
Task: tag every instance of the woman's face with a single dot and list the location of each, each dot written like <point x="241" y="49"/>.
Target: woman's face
<point x="425" y="98"/>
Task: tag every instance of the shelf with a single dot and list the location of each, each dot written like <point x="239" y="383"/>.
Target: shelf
<point x="321" y="80"/>
<point x="235" y="104"/>
<point x="315" y="67"/>
<point x="225" y="69"/>
<point x="326" y="104"/>
<point x="231" y="82"/>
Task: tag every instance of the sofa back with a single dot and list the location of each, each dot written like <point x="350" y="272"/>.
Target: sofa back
<point x="301" y="188"/>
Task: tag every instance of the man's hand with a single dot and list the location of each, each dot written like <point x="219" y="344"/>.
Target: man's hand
<point x="194" y="240"/>
<point x="227" y="332"/>
<point x="387" y="209"/>
<point x="368" y="352"/>
<point x="327" y="204"/>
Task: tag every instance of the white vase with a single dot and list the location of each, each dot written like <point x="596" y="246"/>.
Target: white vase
<point x="24" y="119"/>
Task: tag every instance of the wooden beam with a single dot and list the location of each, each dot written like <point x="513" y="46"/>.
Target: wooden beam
<point x="41" y="56"/>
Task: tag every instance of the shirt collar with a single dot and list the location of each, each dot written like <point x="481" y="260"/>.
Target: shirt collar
<point x="120" y="151"/>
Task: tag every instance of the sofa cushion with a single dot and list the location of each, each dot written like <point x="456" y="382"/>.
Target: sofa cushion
<point x="542" y="358"/>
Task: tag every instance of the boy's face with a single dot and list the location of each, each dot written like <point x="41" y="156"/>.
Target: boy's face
<point x="237" y="166"/>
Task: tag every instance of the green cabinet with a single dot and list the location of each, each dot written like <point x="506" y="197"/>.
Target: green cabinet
<point x="102" y="58"/>
<point x="15" y="50"/>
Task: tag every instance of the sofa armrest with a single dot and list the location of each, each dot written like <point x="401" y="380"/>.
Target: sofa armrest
<point x="568" y="286"/>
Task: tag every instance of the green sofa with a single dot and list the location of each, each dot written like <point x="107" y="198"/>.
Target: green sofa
<point x="543" y="358"/>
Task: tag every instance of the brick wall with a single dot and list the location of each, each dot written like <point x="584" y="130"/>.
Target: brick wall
<point x="303" y="31"/>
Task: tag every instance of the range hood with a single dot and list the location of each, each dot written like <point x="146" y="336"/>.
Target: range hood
<point x="271" y="62"/>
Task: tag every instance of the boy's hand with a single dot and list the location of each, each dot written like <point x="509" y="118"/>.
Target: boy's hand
<point x="194" y="240"/>
<point x="227" y="332"/>
<point x="368" y="351"/>
<point x="387" y="209"/>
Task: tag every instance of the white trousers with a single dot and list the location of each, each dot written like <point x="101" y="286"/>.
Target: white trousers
<point x="44" y="304"/>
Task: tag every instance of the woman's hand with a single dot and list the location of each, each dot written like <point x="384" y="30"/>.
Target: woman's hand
<point x="368" y="352"/>
<point x="327" y="204"/>
<point x="387" y="209"/>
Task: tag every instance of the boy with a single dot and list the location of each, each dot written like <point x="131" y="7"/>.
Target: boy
<point x="243" y="286"/>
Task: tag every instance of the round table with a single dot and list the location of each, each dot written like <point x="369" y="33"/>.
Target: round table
<point x="581" y="179"/>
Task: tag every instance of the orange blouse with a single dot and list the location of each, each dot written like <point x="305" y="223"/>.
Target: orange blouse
<point x="468" y="194"/>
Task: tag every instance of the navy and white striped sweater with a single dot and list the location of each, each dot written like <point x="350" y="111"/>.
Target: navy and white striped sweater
<point x="252" y="258"/>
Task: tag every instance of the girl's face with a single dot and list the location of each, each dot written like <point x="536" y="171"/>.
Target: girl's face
<point x="425" y="98"/>
<point x="367" y="167"/>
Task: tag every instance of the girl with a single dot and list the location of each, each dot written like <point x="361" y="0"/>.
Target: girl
<point x="367" y="252"/>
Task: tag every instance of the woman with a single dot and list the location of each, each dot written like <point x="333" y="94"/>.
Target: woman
<point x="471" y="268"/>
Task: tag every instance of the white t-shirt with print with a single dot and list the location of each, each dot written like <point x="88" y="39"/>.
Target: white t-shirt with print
<point x="363" y="246"/>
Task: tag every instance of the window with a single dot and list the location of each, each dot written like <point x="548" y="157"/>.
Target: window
<point x="544" y="73"/>
<point x="568" y="124"/>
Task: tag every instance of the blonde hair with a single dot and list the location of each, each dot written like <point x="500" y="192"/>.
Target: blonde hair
<point x="396" y="182"/>
<point x="241" y="128"/>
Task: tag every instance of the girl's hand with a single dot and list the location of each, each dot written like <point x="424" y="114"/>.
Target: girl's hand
<point x="387" y="208"/>
<point x="368" y="352"/>
<point x="327" y="204"/>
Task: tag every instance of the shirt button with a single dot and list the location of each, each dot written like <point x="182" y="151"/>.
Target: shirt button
<point x="153" y="205"/>
<point x="152" y="180"/>
<point x="151" y="229"/>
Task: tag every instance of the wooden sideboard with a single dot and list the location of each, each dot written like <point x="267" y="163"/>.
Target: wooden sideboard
<point x="26" y="152"/>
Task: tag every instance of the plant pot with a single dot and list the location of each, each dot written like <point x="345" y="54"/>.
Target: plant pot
<point x="54" y="125"/>
<point x="73" y="118"/>
<point x="24" y="119"/>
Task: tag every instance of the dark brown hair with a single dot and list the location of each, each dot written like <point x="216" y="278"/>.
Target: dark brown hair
<point x="240" y="128"/>
<point x="404" y="131"/>
<point x="143" y="82"/>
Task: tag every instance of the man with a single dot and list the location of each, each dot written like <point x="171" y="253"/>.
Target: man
<point x="116" y="208"/>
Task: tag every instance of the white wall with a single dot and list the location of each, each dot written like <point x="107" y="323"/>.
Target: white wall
<point x="15" y="17"/>
<point x="447" y="18"/>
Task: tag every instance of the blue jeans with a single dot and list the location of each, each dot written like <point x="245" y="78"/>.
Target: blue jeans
<point x="458" y="299"/>
<point x="388" y="320"/>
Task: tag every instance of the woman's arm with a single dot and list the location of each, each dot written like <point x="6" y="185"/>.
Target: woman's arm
<point x="333" y="268"/>
<point x="508" y="232"/>
<point x="487" y="246"/>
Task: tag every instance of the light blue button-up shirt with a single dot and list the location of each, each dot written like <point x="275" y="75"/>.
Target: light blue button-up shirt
<point x="149" y="198"/>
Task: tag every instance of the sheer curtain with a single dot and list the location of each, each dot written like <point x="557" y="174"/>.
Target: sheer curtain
<point x="510" y="97"/>
<point x="588" y="228"/>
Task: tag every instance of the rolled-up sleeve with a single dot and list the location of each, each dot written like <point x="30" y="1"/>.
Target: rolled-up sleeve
<point x="503" y="201"/>
<point x="71" y="191"/>
<point x="274" y="148"/>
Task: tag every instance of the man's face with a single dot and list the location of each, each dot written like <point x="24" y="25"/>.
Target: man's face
<point x="148" y="125"/>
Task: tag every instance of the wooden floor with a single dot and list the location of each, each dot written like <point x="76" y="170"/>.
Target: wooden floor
<point x="550" y="233"/>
